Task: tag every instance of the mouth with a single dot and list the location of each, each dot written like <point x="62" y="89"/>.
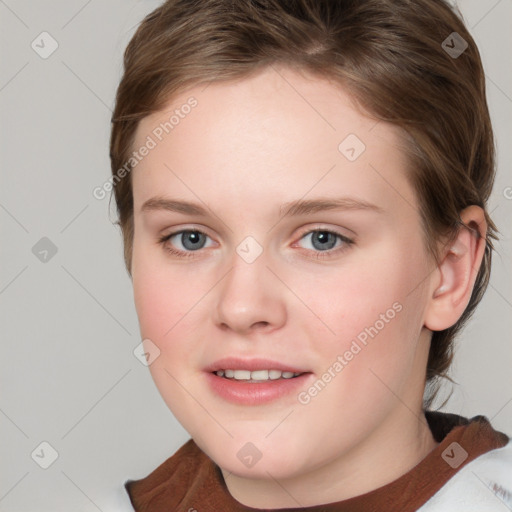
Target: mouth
<point x="255" y="381"/>
<point x="256" y="376"/>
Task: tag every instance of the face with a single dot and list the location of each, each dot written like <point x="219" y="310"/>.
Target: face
<point x="304" y="253"/>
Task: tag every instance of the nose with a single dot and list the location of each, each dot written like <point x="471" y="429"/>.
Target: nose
<point x="250" y="298"/>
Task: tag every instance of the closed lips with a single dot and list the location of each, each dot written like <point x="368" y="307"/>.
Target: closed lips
<point x="257" y="375"/>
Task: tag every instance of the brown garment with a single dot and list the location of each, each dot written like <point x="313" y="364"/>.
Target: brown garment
<point x="190" y="480"/>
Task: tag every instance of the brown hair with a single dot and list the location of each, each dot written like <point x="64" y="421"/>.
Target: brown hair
<point x="391" y="55"/>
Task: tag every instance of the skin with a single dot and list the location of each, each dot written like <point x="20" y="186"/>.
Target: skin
<point x="248" y="147"/>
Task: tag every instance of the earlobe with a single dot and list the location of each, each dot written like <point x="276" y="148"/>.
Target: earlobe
<point x="457" y="271"/>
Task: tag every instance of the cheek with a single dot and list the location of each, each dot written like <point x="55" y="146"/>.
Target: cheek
<point x="153" y="302"/>
<point x="371" y="312"/>
<point x="162" y="301"/>
<point x="350" y="299"/>
<point x="166" y="316"/>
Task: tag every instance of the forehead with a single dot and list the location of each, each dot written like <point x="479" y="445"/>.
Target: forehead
<point x="277" y="134"/>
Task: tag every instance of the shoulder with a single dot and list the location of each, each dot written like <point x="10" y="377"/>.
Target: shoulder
<point x="479" y="486"/>
<point x="170" y="482"/>
<point x="126" y="494"/>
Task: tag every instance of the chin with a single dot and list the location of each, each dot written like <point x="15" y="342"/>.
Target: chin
<point x="260" y="459"/>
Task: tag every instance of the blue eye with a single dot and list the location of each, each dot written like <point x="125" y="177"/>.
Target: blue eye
<point x="193" y="240"/>
<point x="324" y="242"/>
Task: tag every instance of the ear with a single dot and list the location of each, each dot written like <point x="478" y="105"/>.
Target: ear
<point x="453" y="282"/>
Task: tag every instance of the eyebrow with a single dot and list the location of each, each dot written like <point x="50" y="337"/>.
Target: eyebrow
<point x="290" y="209"/>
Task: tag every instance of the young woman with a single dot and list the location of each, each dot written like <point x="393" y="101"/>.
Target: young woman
<point x="302" y="191"/>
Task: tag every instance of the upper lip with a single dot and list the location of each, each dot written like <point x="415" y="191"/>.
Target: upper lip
<point x="235" y="363"/>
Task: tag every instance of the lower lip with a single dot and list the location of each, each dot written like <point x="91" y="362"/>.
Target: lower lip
<point x="255" y="393"/>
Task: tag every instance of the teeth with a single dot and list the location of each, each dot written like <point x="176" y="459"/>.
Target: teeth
<point x="274" y="374"/>
<point x="242" y="375"/>
<point x="257" y="375"/>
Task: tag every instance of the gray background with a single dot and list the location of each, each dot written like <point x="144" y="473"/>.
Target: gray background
<point x="68" y="373"/>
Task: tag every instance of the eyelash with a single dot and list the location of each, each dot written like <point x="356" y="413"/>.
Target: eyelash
<point x="318" y="254"/>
